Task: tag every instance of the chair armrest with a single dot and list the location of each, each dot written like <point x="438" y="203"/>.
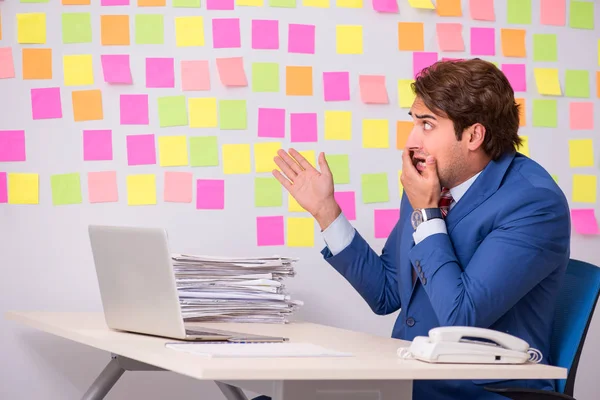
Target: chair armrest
<point x="518" y="393"/>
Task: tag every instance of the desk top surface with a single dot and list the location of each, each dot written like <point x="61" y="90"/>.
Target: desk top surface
<point x="375" y="357"/>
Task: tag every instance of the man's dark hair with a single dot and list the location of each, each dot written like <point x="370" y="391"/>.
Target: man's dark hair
<point x="469" y="92"/>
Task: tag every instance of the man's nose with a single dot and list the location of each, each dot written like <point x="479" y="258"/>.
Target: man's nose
<point x="414" y="139"/>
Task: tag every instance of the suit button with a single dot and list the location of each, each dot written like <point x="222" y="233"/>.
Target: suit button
<point x="424" y="281"/>
<point x="417" y="264"/>
<point x="410" y="321"/>
<point x="420" y="269"/>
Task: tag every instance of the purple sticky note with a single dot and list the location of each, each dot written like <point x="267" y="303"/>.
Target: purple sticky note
<point x="114" y="2"/>
<point x="97" y="145"/>
<point x="141" y="149"/>
<point x="423" y="59"/>
<point x="301" y="39"/>
<point x="385" y="220"/>
<point x="584" y="221"/>
<point x="449" y="36"/>
<point x="386" y="6"/>
<point x="336" y="86"/>
<point x="160" y="72"/>
<point x="3" y="188"/>
<point x="226" y="33"/>
<point x="115" y="68"/>
<point x="219" y="4"/>
<point x="515" y="73"/>
<point x="210" y="194"/>
<point x="46" y="103"/>
<point x="195" y="75"/>
<point x="581" y="115"/>
<point x="269" y="231"/>
<point x="303" y="127"/>
<point x="347" y="203"/>
<point x="265" y="34"/>
<point x="271" y="122"/>
<point x="483" y="41"/>
<point x="12" y="145"/>
<point x="134" y="109"/>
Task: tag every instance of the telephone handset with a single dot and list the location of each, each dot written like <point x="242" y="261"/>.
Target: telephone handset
<point x="470" y="345"/>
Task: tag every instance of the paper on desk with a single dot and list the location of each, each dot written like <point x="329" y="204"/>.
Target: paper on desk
<point x="228" y="349"/>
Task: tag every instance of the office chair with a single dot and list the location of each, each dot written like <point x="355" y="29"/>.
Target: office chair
<point x="575" y="308"/>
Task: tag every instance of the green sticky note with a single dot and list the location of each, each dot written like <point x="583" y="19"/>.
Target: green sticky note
<point x="374" y="188"/>
<point x="186" y="3"/>
<point x="76" y="28"/>
<point x="545" y="113"/>
<point x="149" y="29"/>
<point x="232" y="114"/>
<point x="339" y="165"/>
<point x="265" y="77"/>
<point x="66" y="189"/>
<point x="172" y="111"/>
<point x="204" y="151"/>
<point x="267" y="192"/>
<point x="545" y="47"/>
<point x="581" y="14"/>
<point x="555" y="177"/>
<point x="518" y="12"/>
<point x="282" y="3"/>
<point x="577" y="83"/>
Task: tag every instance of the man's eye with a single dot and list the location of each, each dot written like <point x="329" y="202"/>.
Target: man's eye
<point x="427" y="126"/>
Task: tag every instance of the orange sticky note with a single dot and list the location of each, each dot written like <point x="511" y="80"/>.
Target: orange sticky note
<point x="37" y="63"/>
<point x="522" y="117"/>
<point x="152" y="3"/>
<point x="114" y="30"/>
<point x="76" y="2"/>
<point x="449" y="8"/>
<point x="410" y="36"/>
<point x="513" y="42"/>
<point x="298" y="81"/>
<point x="403" y="129"/>
<point x="87" y="105"/>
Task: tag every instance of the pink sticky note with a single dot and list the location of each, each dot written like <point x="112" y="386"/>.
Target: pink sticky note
<point x="444" y="59"/>
<point x="46" y="103"/>
<point x="303" y="127"/>
<point x="3" y="188"/>
<point x="347" y="203"/>
<point x="12" y="145"/>
<point x="449" y="37"/>
<point x="372" y="89"/>
<point x="178" y="187"/>
<point x="301" y="38"/>
<point x="553" y="12"/>
<point x="134" y="109"/>
<point x="423" y="59"/>
<point x="114" y="2"/>
<point x="269" y="231"/>
<point x="141" y="149"/>
<point x="336" y="86"/>
<point x="160" y="72"/>
<point x="97" y="145"/>
<point x="210" y="194"/>
<point x="7" y="65"/>
<point x="385" y="220"/>
<point x="265" y="34"/>
<point x="115" y="68"/>
<point x="386" y="6"/>
<point x="515" y="73"/>
<point x="219" y="4"/>
<point x="584" y="221"/>
<point x="483" y="41"/>
<point x="102" y="187"/>
<point x="271" y="122"/>
<point x="226" y="33"/>
<point x="482" y="10"/>
<point x="195" y="75"/>
<point x="231" y="71"/>
<point x="581" y="115"/>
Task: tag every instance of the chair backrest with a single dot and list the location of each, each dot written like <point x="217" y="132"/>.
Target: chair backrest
<point x="575" y="308"/>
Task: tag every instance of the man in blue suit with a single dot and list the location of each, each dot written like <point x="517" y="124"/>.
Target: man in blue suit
<point x="484" y="232"/>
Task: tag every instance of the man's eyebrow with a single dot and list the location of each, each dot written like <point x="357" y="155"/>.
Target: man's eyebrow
<point x="422" y="116"/>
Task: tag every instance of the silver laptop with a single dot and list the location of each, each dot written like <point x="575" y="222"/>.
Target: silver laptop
<point x="137" y="285"/>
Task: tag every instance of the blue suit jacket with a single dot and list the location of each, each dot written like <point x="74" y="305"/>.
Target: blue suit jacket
<point x="500" y="266"/>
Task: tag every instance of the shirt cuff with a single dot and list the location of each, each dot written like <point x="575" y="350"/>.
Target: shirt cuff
<point x="339" y="234"/>
<point x="428" y="228"/>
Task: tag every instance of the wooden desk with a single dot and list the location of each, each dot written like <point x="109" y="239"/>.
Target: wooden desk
<point x="375" y="371"/>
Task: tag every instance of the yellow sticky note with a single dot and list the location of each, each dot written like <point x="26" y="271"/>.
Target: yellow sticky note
<point x="189" y="31"/>
<point x="581" y="153"/>
<point x="524" y="147"/>
<point x="375" y="134"/>
<point x="293" y="205"/>
<point x="264" y="154"/>
<point x="349" y="3"/>
<point x="316" y="3"/>
<point x="349" y="39"/>
<point x="547" y="82"/>
<point x="31" y="28"/>
<point x="338" y="125"/>
<point x="584" y="188"/>
<point x="23" y="188"/>
<point x="250" y="3"/>
<point x="400" y="187"/>
<point x="141" y="189"/>
<point x="236" y="158"/>
<point x="310" y="157"/>
<point x="421" y="4"/>
<point x="203" y="112"/>
<point x="78" y="70"/>
<point x="406" y="96"/>
<point x="172" y="151"/>
<point x="300" y="232"/>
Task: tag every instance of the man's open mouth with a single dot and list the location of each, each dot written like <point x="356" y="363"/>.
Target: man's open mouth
<point x="419" y="162"/>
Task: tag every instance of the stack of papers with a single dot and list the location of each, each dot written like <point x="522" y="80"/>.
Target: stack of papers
<point x="218" y="289"/>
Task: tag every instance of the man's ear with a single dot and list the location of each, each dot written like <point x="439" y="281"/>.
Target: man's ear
<point x="476" y="136"/>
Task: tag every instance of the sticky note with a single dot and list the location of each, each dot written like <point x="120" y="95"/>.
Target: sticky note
<point x="204" y="151"/>
<point x="385" y="220"/>
<point x="545" y="113"/>
<point x="410" y="36"/>
<point x="553" y="12"/>
<point x="172" y="111"/>
<point x="545" y="47"/>
<point x="195" y="75"/>
<point x="349" y="39"/>
<point x="372" y="89"/>
<point x="584" y="188"/>
<point x="37" y="63"/>
<point x="316" y="3"/>
<point x="76" y="27"/>
<point x="141" y="189"/>
<point x="116" y="69"/>
<point x="300" y="232"/>
<point x="375" y="134"/>
<point x="403" y="129"/>
<point x="516" y="75"/>
<point x="577" y="83"/>
<point x="347" y="202"/>
<point x="31" y="28"/>
<point x="338" y="125"/>
<point x="203" y="112"/>
<point x="3" y="188"/>
<point x="298" y="80"/>
<point x="12" y="145"/>
<point x="423" y="59"/>
<point x="141" y="149"/>
<point x="226" y="33"/>
<point x="149" y="29"/>
<point x="268" y="192"/>
<point x="584" y="221"/>
<point x="385" y="6"/>
<point x="46" y="103"/>
<point x="547" y="82"/>
<point x="349" y="3"/>
<point x="293" y="205"/>
<point x="97" y="145"/>
<point x="406" y="96"/>
<point x="522" y="111"/>
<point x="114" y="2"/>
<point x="23" y="188"/>
<point x="160" y="72"/>
<point x="249" y="3"/>
<point x="231" y="71"/>
<point x="518" y="12"/>
<point x="581" y="14"/>
<point x="271" y="122"/>
<point x="303" y="127"/>
<point x="523" y="148"/>
<point x="172" y="151"/>
<point x="581" y="115"/>
<point x="482" y="10"/>
<point x="301" y="38"/>
<point x="427" y="4"/>
<point x="310" y="156"/>
<point x="151" y="3"/>
<point x="178" y="187"/>
<point x="265" y="77"/>
<point x="219" y="4"/>
<point x="449" y="36"/>
<point x="189" y="31"/>
<point x="7" y="65"/>
<point x="336" y="86"/>
<point x="66" y="189"/>
<point x="483" y="41"/>
<point x="581" y="153"/>
<point x="134" y="109"/>
<point x="513" y="42"/>
<point x="270" y="231"/>
<point x="265" y="34"/>
<point x="78" y="70"/>
<point x="236" y="158"/>
<point x="400" y="186"/>
<point x="102" y="187"/>
<point x="374" y="187"/>
<point x="339" y="164"/>
<point x="87" y="105"/>
<point x="232" y="114"/>
<point x="282" y="3"/>
<point x="449" y="8"/>
<point x="186" y="3"/>
<point x="264" y="153"/>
